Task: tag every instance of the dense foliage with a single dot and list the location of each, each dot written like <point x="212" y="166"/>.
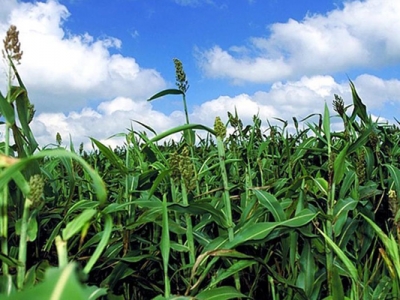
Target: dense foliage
<point x="262" y="213"/>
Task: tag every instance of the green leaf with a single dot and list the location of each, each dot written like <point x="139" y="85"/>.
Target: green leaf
<point x="77" y="224"/>
<point x="102" y="245"/>
<point x="32" y="229"/>
<point x="395" y="174"/>
<point x="7" y="110"/>
<point x="271" y="203"/>
<point x="322" y="185"/>
<point x="220" y="293"/>
<point x="339" y="165"/>
<point x="7" y="287"/>
<point x="360" y="109"/>
<point x="22" y="102"/>
<point x="8" y="173"/>
<point x="327" y="124"/>
<point x="111" y="156"/>
<point x="165" y="93"/>
<point x="340" y="212"/>
<point x="352" y="270"/>
<point x="308" y="270"/>
<point x="337" y="286"/>
<point x="12" y="262"/>
<point x="233" y="269"/>
<point x="60" y="284"/>
<point x="261" y="230"/>
<point x="179" y="129"/>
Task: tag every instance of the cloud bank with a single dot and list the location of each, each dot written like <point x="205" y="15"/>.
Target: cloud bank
<point x="82" y="87"/>
<point x="361" y="34"/>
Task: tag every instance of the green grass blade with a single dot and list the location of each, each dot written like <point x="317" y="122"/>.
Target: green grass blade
<point x="342" y="256"/>
<point x="108" y="224"/>
<point x="179" y="129"/>
<point x="220" y="293"/>
<point x="77" y="224"/>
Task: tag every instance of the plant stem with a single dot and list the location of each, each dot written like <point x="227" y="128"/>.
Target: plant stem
<point x="226" y="198"/>
<point x="4" y="198"/>
<point x="62" y="252"/>
<point x="189" y="226"/>
<point x="23" y="244"/>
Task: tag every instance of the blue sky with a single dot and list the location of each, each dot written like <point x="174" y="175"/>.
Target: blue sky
<point x="90" y="65"/>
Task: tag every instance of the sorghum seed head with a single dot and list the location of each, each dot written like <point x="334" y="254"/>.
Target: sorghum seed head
<point x="338" y="105"/>
<point x="12" y="46"/>
<point x="181" y="81"/>
<point x="393" y="202"/>
<point x="219" y="128"/>
<point x="36" y="184"/>
<point x="58" y="139"/>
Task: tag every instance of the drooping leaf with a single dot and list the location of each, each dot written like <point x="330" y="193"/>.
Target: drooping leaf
<point x="165" y="93"/>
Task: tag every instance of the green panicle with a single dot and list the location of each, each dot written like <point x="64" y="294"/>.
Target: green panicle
<point x="219" y="128"/>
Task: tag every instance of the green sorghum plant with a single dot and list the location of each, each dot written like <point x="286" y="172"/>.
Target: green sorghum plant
<point x="182" y="171"/>
<point x="11" y="53"/>
<point x="36" y="185"/>
<point x="220" y="131"/>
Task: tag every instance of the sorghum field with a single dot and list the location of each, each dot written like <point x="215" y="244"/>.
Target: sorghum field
<point x="262" y="213"/>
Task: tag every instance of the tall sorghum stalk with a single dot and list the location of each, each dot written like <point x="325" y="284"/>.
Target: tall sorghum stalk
<point x="36" y="185"/>
<point x="220" y="130"/>
<point x="183" y="85"/>
<point x="182" y="170"/>
<point x="11" y="52"/>
<point x="328" y="228"/>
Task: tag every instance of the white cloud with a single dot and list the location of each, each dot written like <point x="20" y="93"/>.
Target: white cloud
<point x="362" y="33"/>
<point x="63" y="71"/>
<point x="284" y="100"/>
<point x="109" y="118"/>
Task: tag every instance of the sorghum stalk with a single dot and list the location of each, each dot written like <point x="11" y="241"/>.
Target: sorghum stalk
<point x="12" y="51"/>
<point x="189" y="226"/>
<point x="36" y="185"/>
<point x="23" y="244"/>
<point x="220" y="130"/>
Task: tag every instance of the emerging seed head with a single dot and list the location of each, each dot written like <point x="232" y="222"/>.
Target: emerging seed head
<point x="338" y="105"/>
<point x="12" y="46"/>
<point x="181" y="82"/>
<point x="183" y="168"/>
<point x="58" y="139"/>
<point x="393" y="202"/>
<point x="219" y="128"/>
<point x="36" y="184"/>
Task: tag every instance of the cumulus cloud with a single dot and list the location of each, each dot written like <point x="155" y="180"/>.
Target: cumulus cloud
<point x="361" y="34"/>
<point x="284" y="100"/>
<point x="63" y="71"/>
<point x="107" y="119"/>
